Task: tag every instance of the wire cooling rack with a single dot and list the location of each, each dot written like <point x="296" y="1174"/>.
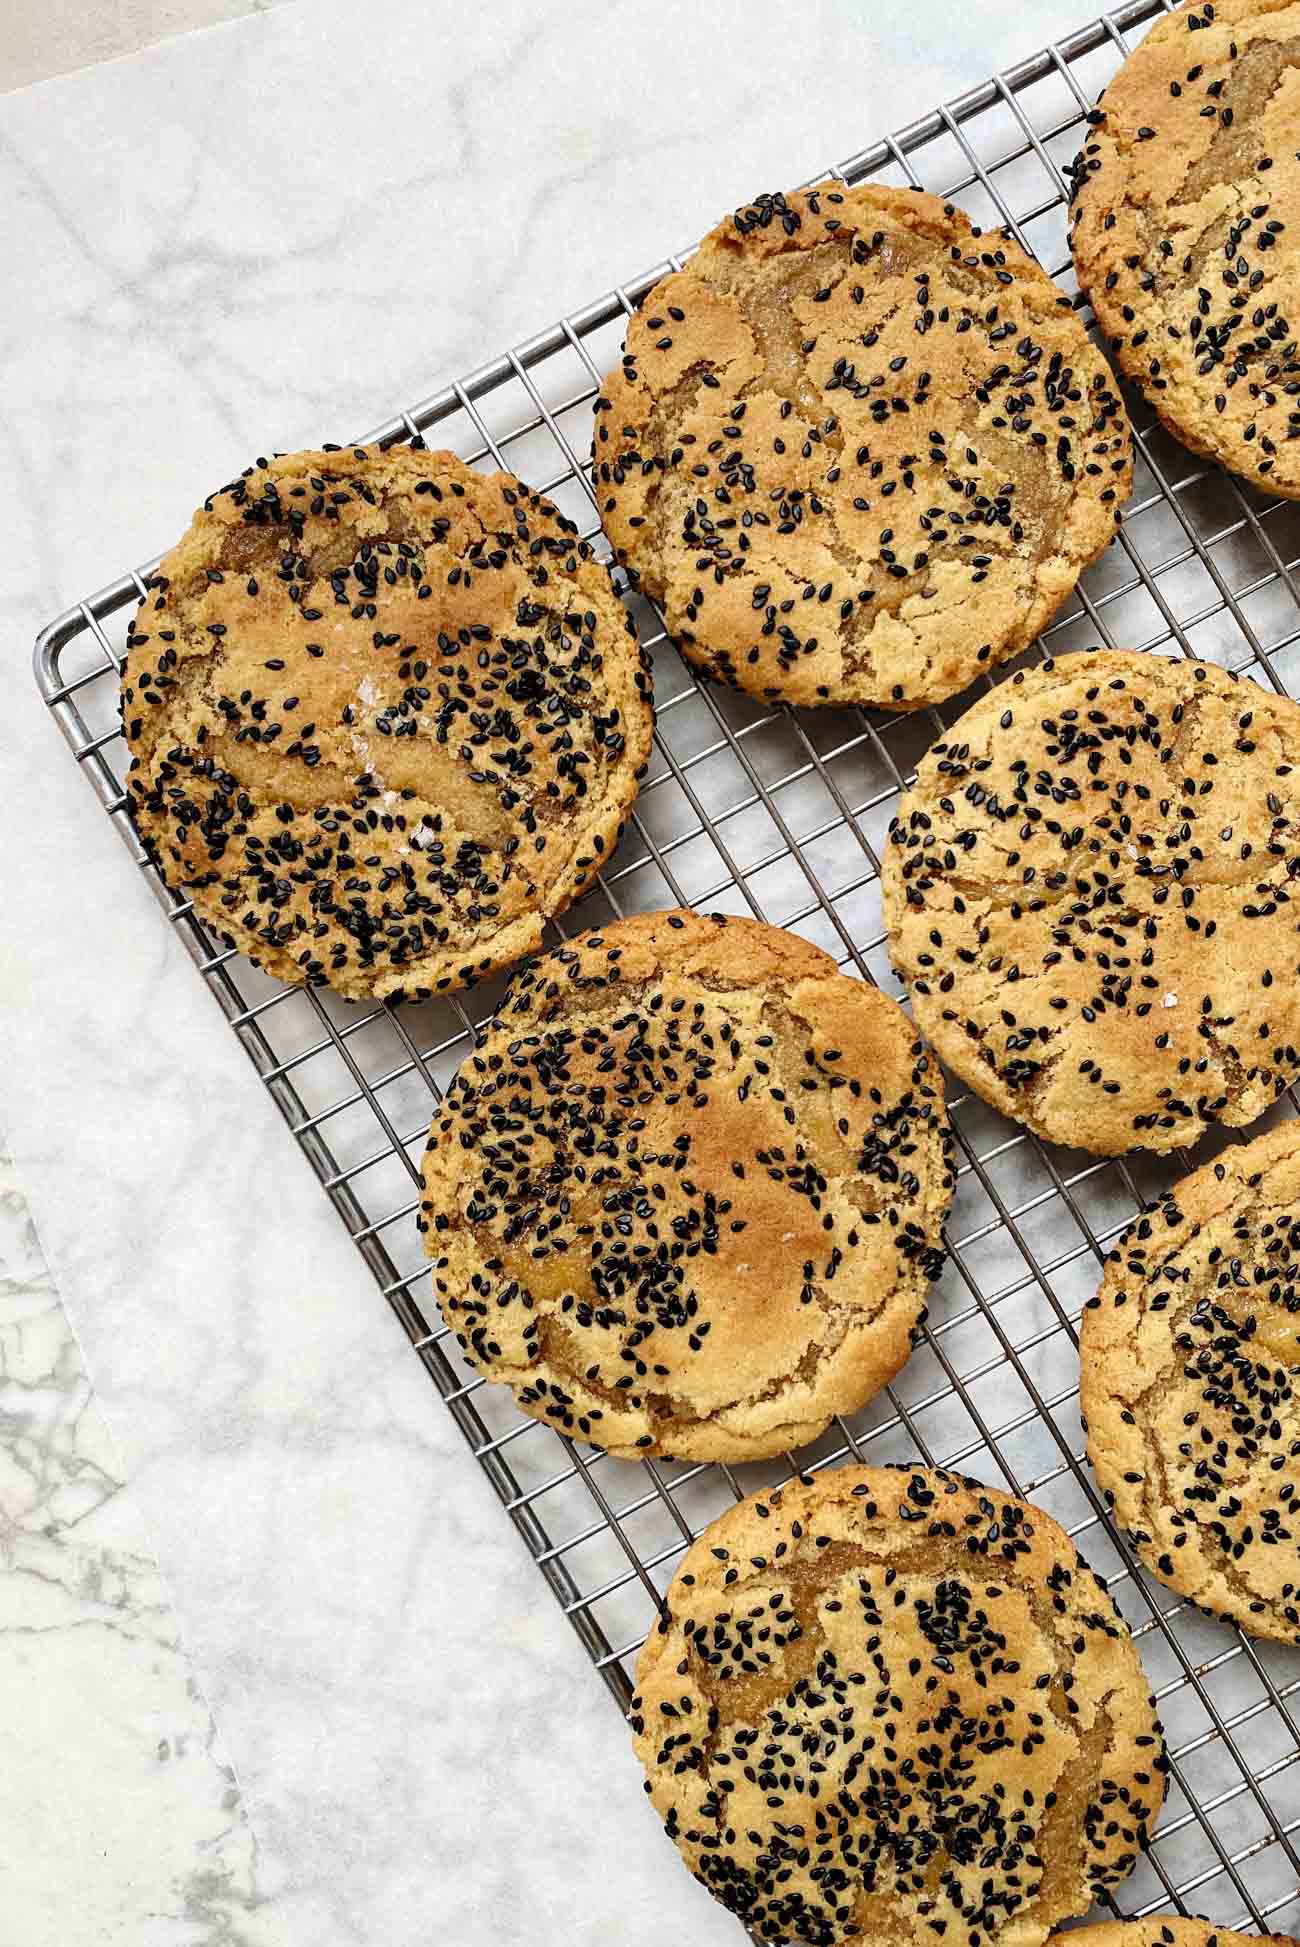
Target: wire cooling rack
<point x="783" y="816"/>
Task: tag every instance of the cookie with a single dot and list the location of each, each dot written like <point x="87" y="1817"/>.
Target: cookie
<point x="1186" y="230"/>
<point x="1168" y="1930"/>
<point x="386" y="716"/>
<point x="687" y="1195"/>
<point x="1190" y="1385"/>
<point x="857" y="451"/>
<point x="890" y="1704"/>
<point x="1091" y="892"/>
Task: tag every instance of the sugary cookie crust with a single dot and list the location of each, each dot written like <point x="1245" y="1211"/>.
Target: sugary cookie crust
<point x="858" y="451"/>
<point x="386" y="716"/>
<point x="1190" y="1385"/>
<point x="687" y="1195"/>
<point x="1090" y="890"/>
<point x="892" y="1704"/>
<point x="1168" y="1930"/>
<point x="1186" y="230"/>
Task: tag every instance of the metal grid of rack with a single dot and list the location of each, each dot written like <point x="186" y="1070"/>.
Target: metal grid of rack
<point x="782" y="815"/>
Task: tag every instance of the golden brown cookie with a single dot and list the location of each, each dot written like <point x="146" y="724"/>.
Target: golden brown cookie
<point x="1186" y="230"/>
<point x="386" y="716"/>
<point x="1091" y="890"/>
<point x="1167" y="1930"/>
<point x="891" y="1705"/>
<point x="687" y="1195"/>
<point x="1190" y="1385"/>
<point x="858" y="451"/>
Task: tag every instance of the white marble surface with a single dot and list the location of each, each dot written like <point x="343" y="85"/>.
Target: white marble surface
<point x="43" y="37"/>
<point x="123" y="1816"/>
<point x="262" y="236"/>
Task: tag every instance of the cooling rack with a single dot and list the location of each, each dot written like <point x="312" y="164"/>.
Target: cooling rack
<point x="782" y="815"/>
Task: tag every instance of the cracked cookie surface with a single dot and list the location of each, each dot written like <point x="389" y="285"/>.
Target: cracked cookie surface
<point x="1186" y="230"/>
<point x="894" y="1705"/>
<point x="1090" y="890"/>
<point x="858" y="451"/>
<point x="386" y="715"/>
<point x="1190" y="1385"/>
<point x="687" y="1195"/>
<point x="1169" y="1930"/>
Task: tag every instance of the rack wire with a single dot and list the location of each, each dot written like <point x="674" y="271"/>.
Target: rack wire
<point x="782" y="815"/>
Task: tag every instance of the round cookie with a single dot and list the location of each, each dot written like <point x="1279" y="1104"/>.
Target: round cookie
<point x="1090" y="889"/>
<point x="891" y="1704"/>
<point x="858" y="451"/>
<point x="1168" y="1930"/>
<point x="687" y="1195"/>
<point x="386" y="715"/>
<point x="1186" y="230"/>
<point x="1190" y="1385"/>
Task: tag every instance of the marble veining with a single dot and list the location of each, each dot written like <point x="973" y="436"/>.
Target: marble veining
<point x="120" y="1759"/>
<point x="265" y="235"/>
